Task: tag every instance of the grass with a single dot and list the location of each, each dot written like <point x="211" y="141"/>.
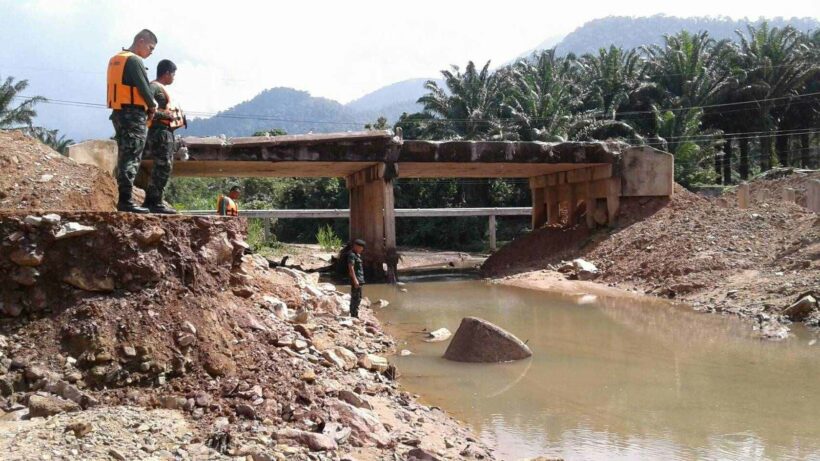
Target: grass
<point x="328" y="239"/>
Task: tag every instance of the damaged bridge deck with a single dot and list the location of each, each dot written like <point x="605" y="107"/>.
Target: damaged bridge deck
<point x="561" y="175"/>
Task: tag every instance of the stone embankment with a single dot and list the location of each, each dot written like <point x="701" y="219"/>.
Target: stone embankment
<point x="140" y="337"/>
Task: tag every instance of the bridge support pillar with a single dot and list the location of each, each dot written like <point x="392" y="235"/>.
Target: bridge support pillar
<point x="566" y="189"/>
<point x="372" y="219"/>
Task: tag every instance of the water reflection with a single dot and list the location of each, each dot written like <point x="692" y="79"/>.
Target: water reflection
<point x="611" y="378"/>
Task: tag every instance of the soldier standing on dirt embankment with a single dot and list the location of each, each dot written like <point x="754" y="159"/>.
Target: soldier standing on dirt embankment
<point x="130" y="97"/>
<point x="356" y="272"/>
<point x="161" y="143"/>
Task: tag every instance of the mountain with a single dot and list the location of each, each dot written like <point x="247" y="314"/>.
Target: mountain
<point x="291" y="110"/>
<point x="630" y="32"/>
<point x="392" y="100"/>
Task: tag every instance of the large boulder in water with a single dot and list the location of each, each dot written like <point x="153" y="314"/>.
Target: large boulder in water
<point x="478" y="340"/>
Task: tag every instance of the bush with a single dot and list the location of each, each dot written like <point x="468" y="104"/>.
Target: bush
<point x="328" y="239"/>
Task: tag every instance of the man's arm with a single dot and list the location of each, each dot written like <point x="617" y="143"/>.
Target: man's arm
<point x="135" y="76"/>
<point x="162" y="103"/>
<point x="353" y="280"/>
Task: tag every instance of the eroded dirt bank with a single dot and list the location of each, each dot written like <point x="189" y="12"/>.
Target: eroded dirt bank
<point x="158" y="338"/>
<point x="753" y="262"/>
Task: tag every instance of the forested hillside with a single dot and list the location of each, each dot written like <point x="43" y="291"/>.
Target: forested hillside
<point x="630" y="32"/>
<point x="285" y="108"/>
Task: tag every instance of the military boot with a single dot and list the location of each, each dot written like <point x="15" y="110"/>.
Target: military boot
<point x="157" y="206"/>
<point x="125" y="204"/>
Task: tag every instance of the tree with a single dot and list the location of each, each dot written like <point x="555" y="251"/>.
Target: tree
<point x="271" y="132"/>
<point x="610" y="79"/>
<point x="775" y="64"/>
<point x="470" y="105"/>
<point x="379" y="124"/>
<point x="22" y="114"/>
<point x="52" y="138"/>
<point x="542" y="97"/>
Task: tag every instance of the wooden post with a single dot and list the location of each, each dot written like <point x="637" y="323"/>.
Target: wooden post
<point x="813" y="195"/>
<point x="539" y="217"/>
<point x="572" y="204"/>
<point x="553" y="214"/>
<point x="589" y="203"/>
<point x="492" y="232"/>
<point x="743" y="196"/>
<point x="613" y="200"/>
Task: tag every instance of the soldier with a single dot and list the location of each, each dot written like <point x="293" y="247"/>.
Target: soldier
<point x="130" y="97"/>
<point x="356" y="272"/>
<point x="226" y="205"/>
<point x="161" y="145"/>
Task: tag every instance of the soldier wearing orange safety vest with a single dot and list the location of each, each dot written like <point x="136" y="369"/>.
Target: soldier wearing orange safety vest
<point x="161" y="142"/>
<point x="226" y="206"/>
<point x="130" y="98"/>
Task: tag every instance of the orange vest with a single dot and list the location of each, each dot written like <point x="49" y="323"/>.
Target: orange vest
<point x="230" y="206"/>
<point x="171" y="109"/>
<point x="120" y="94"/>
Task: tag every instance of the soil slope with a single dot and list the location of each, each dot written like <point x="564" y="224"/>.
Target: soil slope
<point x="36" y="177"/>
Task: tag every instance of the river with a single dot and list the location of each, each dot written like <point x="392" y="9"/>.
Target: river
<point x="611" y="378"/>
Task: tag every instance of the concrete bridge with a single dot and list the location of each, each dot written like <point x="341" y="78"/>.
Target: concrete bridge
<point x="561" y="175"/>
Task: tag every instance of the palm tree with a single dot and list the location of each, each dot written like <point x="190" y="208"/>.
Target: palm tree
<point x="470" y="105"/>
<point x="52" y="138"/>
<point x="542" y="97"/>
<point x="610" y="79"/>
<point x="687" y="72"/>
<point x="23" y="113"/>
<point x="777" y="63"/>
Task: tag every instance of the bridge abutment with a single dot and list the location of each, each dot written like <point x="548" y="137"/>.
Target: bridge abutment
<point x="372" y="219"/>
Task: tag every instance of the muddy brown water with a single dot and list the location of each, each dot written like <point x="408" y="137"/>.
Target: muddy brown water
<point x="611" y="378"/>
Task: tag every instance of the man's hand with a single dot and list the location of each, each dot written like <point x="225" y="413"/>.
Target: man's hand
<point x="151" y="112"/>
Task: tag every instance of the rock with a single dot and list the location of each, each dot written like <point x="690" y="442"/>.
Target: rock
<point x="245" y="411"/>
<point x="341" y="357"/>
<point x="312" y="440"/>
<point x="218" y="364"/>
<point x="405" y="353"/>
<point x="365" y="426"/>
<point x="382" y="303"/>
<point x="34" y="221"/>
<point x="79" y="279"/>
<point x="72" y="229"/>
<point x="185" y="339"/>
<point x="774" y="330"/>
<point x="129" y="351"/>
<point x="26" y="276"/>
<point x="51" y="219"/>
<point x="80" y="429"/>
<point x="276" y="305"/>
<point x="354" y="399"/>
<point x="305" y="330"/>
<point x="44" y="406"/>
<point x="116" y="454"/>
<point x="150" y="236"/>
<point x="309" y="377"/>
<point x="478" y="340"/>
<point x="373" y="362"/>
<point x="202" y="399"/>
<point x="585" y="270"/>
<point x="420" y="454"/>
<point x="301" y="316"/>
<point x="442" y="334"/>
<point x="172" y="402"/>
<point x="243" y="292"/>
<point x="29" y="257"/>
<point x="799" y="310"/>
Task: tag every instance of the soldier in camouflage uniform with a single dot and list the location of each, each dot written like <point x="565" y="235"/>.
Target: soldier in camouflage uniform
<point x="161" y="144"/>
<point x="129" y="95"/>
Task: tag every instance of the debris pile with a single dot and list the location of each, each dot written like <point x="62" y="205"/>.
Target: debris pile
<point x="104" y="310"/>
<point x="750" y="262"/>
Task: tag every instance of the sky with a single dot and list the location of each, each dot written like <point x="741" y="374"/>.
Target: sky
<point x="227" y="52"/>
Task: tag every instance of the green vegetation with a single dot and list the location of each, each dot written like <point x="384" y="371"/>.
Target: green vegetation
<point x="20" y="115"/>
<point x="328" y="239"/>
